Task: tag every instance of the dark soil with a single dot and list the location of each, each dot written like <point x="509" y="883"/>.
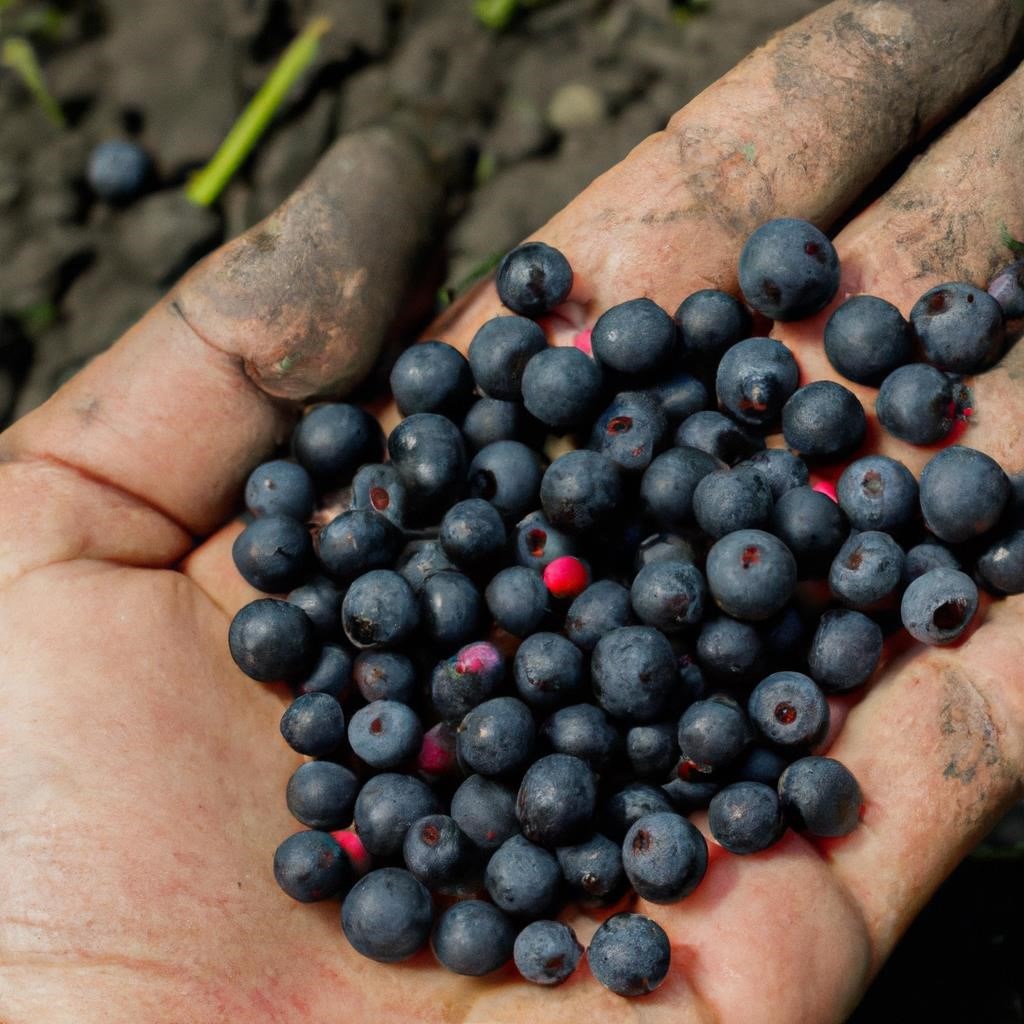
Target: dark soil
<point x="525" y="118"/>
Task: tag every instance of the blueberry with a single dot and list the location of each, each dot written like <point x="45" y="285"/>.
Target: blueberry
<point x="272" y="641"/>
<point x="783" y="470"/>
<point x="866" y="570"/>
<point x="812" y="526"/>
<point x="508" y="475"/>
<point x="356" y="542"/>
<point x="379" y="610"/>
<point x="473" y="938"/>
<point x="602" y="607"/>
<point x="689" y="794"/>
<point x="845" y="650"/>
<point x="630" y="804"/>
<point x="710" y="322"/>
<point x="556" y="800"/>
<point x="629" y="954"/>
<point x="664" y="857"/>
<point x="581" y="491"/>
<point x="118" y="170"/>
<point x="538" y="543"/>
<point x="754" y="380"/>
<point x="486" y="811"/>
<point x="788" y="269"/>
<point x="823" y="419"/>
<point x="387" y="915"/>
<point x="878" y="493"/>
<point x="432" y="377"/>
<point x="472" y="533"/>
<point x="670" y="547"/>
<point x="497" y="737"/>
<point x="548" y="670"/>
<point x="322" y="795"/>
<point x="926" y="556"/>
<point x="729" y="650"/>
<point x="546" y="952"/>
<point x="668" y="485"/>
<point x="1007" y="288"/>
<point x="669" y="595"/>
<point x="679" y="396"/>
<point x="522" y="878"/>
<point x="499" y="352"/>
<point x="583" y="731"/>
<point x="385" y="733"/>
<point x="421" y="560"/>
<point x="717" y="435"/>
<point x="917" y="403"/>
<point x="634" y="674"/>
<point x="746" y="817"/>
<point x="438" y="852"/>
<point x="517" y="600"/>
<point x="466" y="679"/>
<point x="593" y="869"/>
<point x="1001" y="564"/>
<point x="562" y="388"/>
<point x="732" y="499"/>
<point x="451" y="609"/>
<point x="751" y="574"/>
<point x="788" y="710"/>
<point x="280" y="488"/>
<point x="533" y="279"/>
<point x="712" y="734"/>
<point x="630" y="431"/>
<point x="760" y="764"/>
<point x="963" y="493"/>
<point x="866" y="338"/>
<point x="378" y="488"/>
<point x="938" y="606"/>
<point x="384" y="675"/>
<point x="320" y="599"/>
<point x="273" y="553"/>
<point x="311" y="866"/>
<point x="490" y="420"/>
<point x="430" y="456"/>
<point x="785" y="636"/>
<point x="387" y="806"/>
<point x="633" y="337"/>
<point x="313" y="724"/>
<point x="820" y="796"/>
<point x="331" y="674"/>
<point x="332" y="441"/>
<point x="652" y="749"/>
<point x="960" y="327"/>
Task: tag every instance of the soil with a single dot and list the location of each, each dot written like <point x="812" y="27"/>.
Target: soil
<point x="526" y="116"/>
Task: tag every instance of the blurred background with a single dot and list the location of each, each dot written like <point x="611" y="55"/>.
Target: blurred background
<point x="525" y="101"/>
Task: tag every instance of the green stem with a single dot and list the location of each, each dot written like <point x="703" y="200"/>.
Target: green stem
<point x="207" y="184"/>
<point x="19" y="56"/>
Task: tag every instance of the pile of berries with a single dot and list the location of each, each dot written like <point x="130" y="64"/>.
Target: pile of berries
<point x="516" y="677"/>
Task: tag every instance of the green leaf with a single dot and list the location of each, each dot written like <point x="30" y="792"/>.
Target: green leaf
<point x="1013" y="244"/>
<point x="495" y="14"/>
<point x="18" y="55"/>
<point x="449" y="293"/>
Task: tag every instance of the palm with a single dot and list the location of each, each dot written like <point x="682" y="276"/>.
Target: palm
<point x="143" y="775"/>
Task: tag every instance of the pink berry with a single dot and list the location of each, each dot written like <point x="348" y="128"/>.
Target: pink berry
<point x="353" y="846"/>
<point x="567" y="577"/>
<point x="437" y="753"/>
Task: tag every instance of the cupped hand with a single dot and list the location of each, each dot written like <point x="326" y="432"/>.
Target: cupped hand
<point x="142" y="776"/>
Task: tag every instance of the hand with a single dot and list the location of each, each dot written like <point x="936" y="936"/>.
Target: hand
<point x="141" y="774"/>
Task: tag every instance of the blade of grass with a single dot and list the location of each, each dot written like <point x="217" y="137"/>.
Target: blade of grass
<point x="207" y="184"/>
<point x="18" y="55"/>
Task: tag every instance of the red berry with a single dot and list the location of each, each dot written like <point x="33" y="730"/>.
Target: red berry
<point x="353" y="846"/>
<point x="567" y="577"/>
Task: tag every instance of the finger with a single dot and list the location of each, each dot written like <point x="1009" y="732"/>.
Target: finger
<point x="179" y="409"/>
<point x="800" y="128"/>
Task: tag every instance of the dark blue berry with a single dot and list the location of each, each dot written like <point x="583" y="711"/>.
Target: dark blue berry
<point x="938" y="606"/>
<point x="788" y="269"/>
<point x="118" y="170"/>
<point x="866" y="338"/>
<point x="332" y="441"/>
<point x="556" y="800"/>
<point x="432" y="377"/>
<point x="508" y="475"/>
<point x="630" y="954"/>
<point x="669" y="595"/>
<point x="562" y="388"/>
<point x="729" y="650"/>
<point x="712" y="734"/>
<point x="273" y="553"/>
<point x="321" y="601"/>
<point x="630" y="431"/>
<point x="518" y="600"/>
<point x="789" y="710"/>
<point x="692" y="793"/>
<point x="630" y="804"/>
<point x="732" y="499"/>
<point x="845" y="650"/>
<point x="634" y="673"/>
<point x="634" y="337"/>
<point x="917" y="403"/>
<point x="710" y="321"/>
<point x="866" y="570"/>
<point x="960" y="327"/>
<point x="387" y="915"/>
<point x="963" y="493"/>
<point x="593" y="869"/>
<point x="331" y="674"/>
<point x="490" y="420"/>
<point x="451" y="609"/>
<point x="746" y="817"/>
<point x="379" y="609"/>
<point x="499" y="352"/>
<point x="602" y="607"/>
<point x="273" y="641"/>
<point x="497" y="737"/>
<point x="473" y="938"/>
<point x="751" y="574"/>
<point x="421" y="560"/>
<point x="466" y="679"/>
<point x="385" y="733"/>
<point x="311" y="866"/>
<point x="533" y="279"/>
<point x="438" y="852"/>
<point x="754" y="380"/>
<point x="387" y="806"/>
<point x="820" y="796"/>
<point x="783" y="470"/>
<point x="522" y="878"/>
<point x="378" y="488"/>
<point x="652" y="749"/>
<point x="472" y="533"/>
<point x="280" y="488"/>
<point x="547" y="952"/>
<point x="1007" y="288"/>
<point x="322" y="795"/>
<point x="670" y="547"/>
<point x="430" y="456"/>
<point x="878" y="493"/>
<point x="664" y="857"/>
<point x="356" y="542"/>
<point x="384" y="675"/>
<point x="680" y="396"/>
<point x="926" y="556"/>
<point x="760" y="764"/>
<point x="812" y="526"/>
<point x="583" y="731"/>
<point x="785" y="636"/>
<point x="717" y="435"/>
<point x="313" y="724"/>
<point x="548" y="670"/>
<point x="668" y="485"/>
<point x="538" y="543"/>
<point x="581" y="491"/>
<point x="1001" y="565"/>
<point x="823" y="419"/>
<point x="486" y="811"/>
